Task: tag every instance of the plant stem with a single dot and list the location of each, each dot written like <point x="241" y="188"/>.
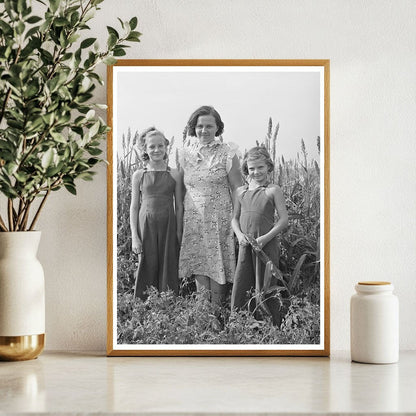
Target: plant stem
<point x="18" y="217"/>
<point x="39" y="209"/>
<point x="10" y="213"/>
<point x="2" y="225"/>
<point x="3" y="109"/>
<point x="26" y="216"/>
<point x="21" y="214"/>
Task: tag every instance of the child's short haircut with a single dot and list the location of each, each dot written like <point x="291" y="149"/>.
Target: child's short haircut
<point x="256" y="153"/>
<point x="150" y="131"/>
<point x="205" y="110"/>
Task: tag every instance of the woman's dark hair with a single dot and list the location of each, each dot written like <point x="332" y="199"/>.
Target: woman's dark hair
<point x="205" y="110"/>
<point x="256" y="153"/>
<point x="150" y="131"/>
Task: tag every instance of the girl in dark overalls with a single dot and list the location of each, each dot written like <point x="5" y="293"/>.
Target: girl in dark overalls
<point x="255" y="206"/>
<point x="156" y="214"/>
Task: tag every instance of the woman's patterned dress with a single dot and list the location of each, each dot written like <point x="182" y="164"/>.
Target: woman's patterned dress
<point x="208" y="240"/>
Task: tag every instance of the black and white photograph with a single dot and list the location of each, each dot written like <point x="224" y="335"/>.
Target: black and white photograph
<point x="218" y="207"/>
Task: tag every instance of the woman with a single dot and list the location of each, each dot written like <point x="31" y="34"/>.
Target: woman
<point x="211" y="172"/>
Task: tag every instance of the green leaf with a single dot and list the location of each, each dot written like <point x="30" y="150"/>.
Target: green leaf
<point x="54" y="4"/>
<point x="94" y="151"/>
<point x="67" y="56"/>
<point x="74" y="18"/>
<point x="5" y="146"/>
<point x="89" y="15"/>
<point x="90" y="114"/>
<point x="31" y="90"/>
<point x="78" y="154"/>
<point x="92" y="161"/>
<point x="73" y="38"/>
<point x="110" y="60"/>
<point x="86" y="176"/>
<point x="64" y="93"/>
<point x="31" y="32"/>
<point x="94" y="129"/>
<point x="133" y="23"/>
<point x="112" y="41"/>
<point x="47" y="158"/>
<point x="27" y="11"/>
<point x="82" y="166"/>
<point x="111" y="30"/>
<point x="70" y="188"/>
<point x="61" y="21"/>
<point x="7" y="30"/>
<point x="8" y="190"/>
<point x="63" y="41"/>
<point x="21" y="6"/>
<point x="48" y="118"/>
<point x="82" y="98"/>
<point x="21" y="177"/>
<point x="87" y="42"/>
<point x="46" y="56"/>
<point x="11" y="168"/>
<point x="119" y="52"/>
<point x="20" y="28"/>
<point x="33" y="19"/>
<point x="52" y="171"/>
<point x="133" y="37"/>
<point x="16" y="124"/>
<point x="10" y="7"/>
<point x="121" y="22"/>
<point x="34" y="125"/>
<point x="53" y="83"/>
<point x="67" y="153"/>
<point x="27" y="52"/>
<point x="58" y="137"/>
<point x="78" y="130"/>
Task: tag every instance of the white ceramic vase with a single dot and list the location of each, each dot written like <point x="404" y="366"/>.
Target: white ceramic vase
<point x="22" y="296"/>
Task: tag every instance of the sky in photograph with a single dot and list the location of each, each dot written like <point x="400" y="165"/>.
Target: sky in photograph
<point x="245" y="97"/>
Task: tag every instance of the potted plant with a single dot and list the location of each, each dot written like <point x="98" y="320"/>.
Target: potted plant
<point x="50" y="135"/>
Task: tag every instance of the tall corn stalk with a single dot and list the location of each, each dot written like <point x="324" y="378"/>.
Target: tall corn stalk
<point x="300" y="181"/>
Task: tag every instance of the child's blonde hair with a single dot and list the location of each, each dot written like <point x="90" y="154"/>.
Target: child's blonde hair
<point x="257" y="153"/>
<point x="150" y="131"/>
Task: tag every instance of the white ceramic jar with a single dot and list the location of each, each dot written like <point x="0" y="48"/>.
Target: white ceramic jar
<point x="374" y="323"/>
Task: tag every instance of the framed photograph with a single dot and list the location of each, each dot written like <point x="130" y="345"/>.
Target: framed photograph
<point x="218" y="208"/>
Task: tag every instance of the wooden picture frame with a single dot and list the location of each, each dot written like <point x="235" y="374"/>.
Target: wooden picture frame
<point x="280" y="104"/>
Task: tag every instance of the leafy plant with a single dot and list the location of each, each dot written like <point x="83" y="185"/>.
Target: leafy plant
<point x="50" y="133"/>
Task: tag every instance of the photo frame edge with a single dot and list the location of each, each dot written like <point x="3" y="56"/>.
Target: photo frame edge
<point x="325" y="63"/>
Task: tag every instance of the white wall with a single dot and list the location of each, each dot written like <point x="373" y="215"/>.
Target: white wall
<point x="371" y="45"/>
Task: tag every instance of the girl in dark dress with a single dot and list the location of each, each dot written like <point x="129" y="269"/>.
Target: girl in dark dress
<point x="254" y="215"/>
<point x="156" y="214"/>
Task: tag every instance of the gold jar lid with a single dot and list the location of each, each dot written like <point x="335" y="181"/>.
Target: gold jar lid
<point x="374" y="283"/>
